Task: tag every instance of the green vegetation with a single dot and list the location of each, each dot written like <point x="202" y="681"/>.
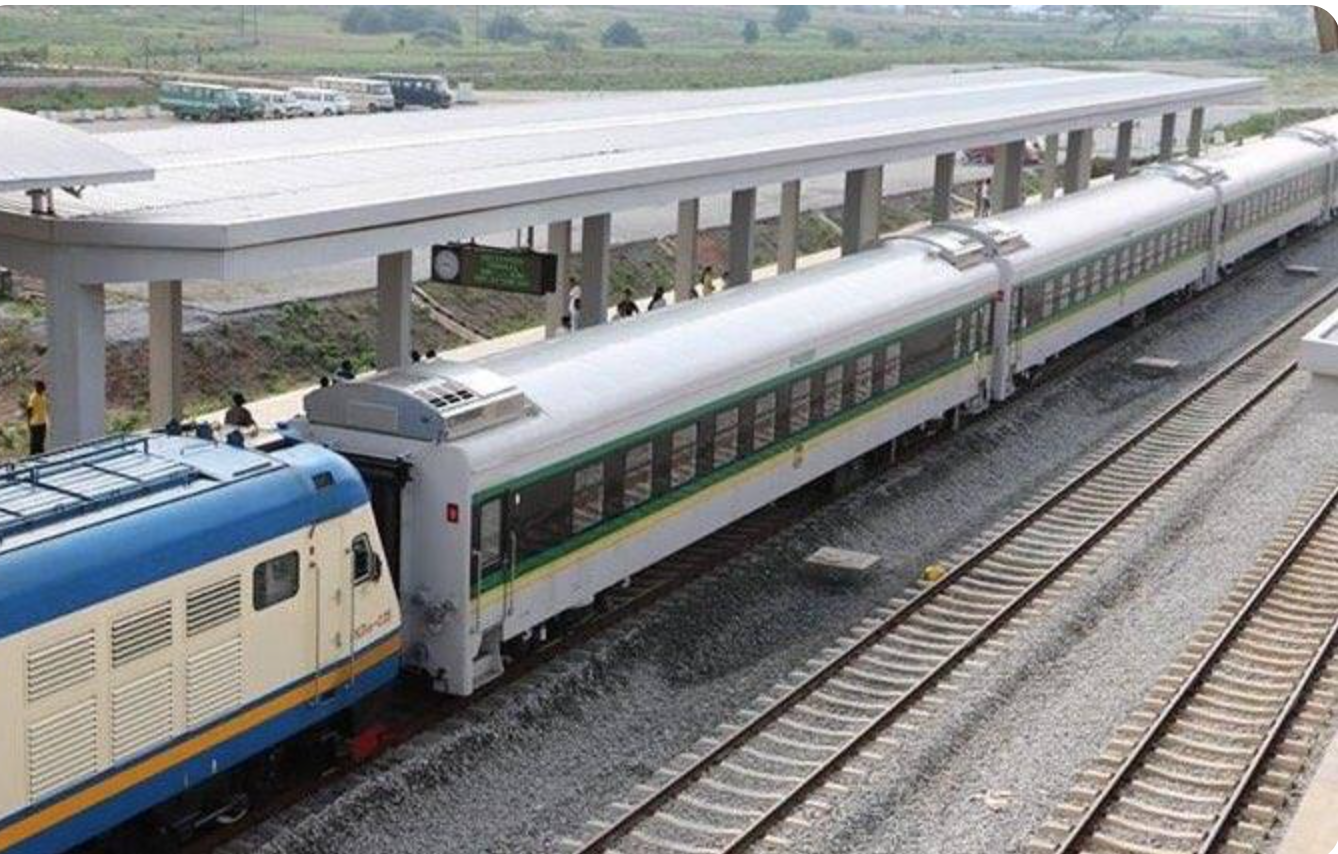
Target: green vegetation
<point x="532" y="47"/>
<point x="622" y="34"/>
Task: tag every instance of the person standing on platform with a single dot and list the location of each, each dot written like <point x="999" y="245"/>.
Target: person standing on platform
<point x="707" y="280"/>
<point x="627" y="306"/>
<point x="656" y="299"/>
<point x="35" y="412"/>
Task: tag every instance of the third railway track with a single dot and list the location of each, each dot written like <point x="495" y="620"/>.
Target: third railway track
<point x="730" y="791"/>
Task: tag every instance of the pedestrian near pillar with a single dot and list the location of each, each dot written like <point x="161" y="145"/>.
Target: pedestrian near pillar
<point x="36" y="411"/>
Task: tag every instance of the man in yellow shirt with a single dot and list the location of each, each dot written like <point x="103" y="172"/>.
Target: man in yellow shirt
<point x="36" y="413"/>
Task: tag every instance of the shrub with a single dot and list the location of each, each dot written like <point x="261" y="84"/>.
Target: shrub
<point x="507" y="28"/>
<point x="790" y="18"/>
<point x="622" y="34"/>
<point x="751" y="32"/>
<point x="842" y="37"/>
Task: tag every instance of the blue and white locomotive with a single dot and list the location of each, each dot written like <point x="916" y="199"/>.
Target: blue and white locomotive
<point x="170" y="608"/>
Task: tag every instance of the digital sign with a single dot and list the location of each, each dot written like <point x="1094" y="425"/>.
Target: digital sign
<point x="516" y="271"/>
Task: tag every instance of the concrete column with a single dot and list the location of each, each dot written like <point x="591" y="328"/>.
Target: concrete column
<point x="1050" y="167"/>
<point x="165" y="353"/>
<point x="685" y="248"/>
<point x="787" y="237"/>
<point x="1195" y="145"/>
<point x="555" y="304"/>
<point x="742" y="224"/>
<point x="944" y="165"/>
<point x="1006" y="185"/>
<point x="595" y="234"/>
<point x="394" y="309"/>
<point x="1124" y="149"/>
<point x="1167" y="148"/>
<point x="1078" y="161"/>
<point x="861" y="209"/>
<point x="76" y="362"/>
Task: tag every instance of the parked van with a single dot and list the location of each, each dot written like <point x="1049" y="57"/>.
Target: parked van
<point x="320" y="102"/>
<point x="206" y="102"/>
<point x="418" y="90"/>
<point x="273" y="103"/>
<point x="366" y="96"/>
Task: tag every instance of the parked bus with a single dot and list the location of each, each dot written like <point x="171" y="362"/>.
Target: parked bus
<point x="273" y="103"/>
<point x="418" y="90"/>
<point x="206" y="102"/>
<point x="364" y="95"/>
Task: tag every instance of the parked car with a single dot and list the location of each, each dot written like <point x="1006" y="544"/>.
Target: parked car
<point x="418" y="90"/>
<point x="320" y="102"/>
<point x="274" y="103"/>
<point x="206" y="102"/>
<point x="364" y="95"/>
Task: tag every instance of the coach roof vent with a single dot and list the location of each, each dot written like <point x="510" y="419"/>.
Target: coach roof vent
<point x="428" y="401"/>
<point x="41" y="156"/>
<point x="963" y="244"/>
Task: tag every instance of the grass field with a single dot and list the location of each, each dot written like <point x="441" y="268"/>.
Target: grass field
<point x="686" y="47"/>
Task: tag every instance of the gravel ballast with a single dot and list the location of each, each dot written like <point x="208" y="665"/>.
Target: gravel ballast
<point x="529" y="765"/>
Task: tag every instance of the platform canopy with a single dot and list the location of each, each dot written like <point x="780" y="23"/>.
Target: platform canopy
<point x="40" y="155"/>
<point x="252" y="200"/>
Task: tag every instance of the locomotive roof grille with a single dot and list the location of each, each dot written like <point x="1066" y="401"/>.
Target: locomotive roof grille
<point x="82" y="480"/>
<point x="962" y="250"/>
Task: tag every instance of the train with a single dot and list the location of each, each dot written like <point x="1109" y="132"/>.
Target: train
<point x="174" y="609"/>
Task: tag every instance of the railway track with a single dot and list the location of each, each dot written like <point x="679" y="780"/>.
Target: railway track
<point x="1208" y="762"/>
<point x="731" y="791"/>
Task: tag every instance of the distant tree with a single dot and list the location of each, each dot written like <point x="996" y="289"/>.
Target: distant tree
<point x="842" y="38"/>
<point x="371" y="20"/>
<point x="365" y="21"/>
<point x="622" y="34"/>
<point x="751" y="32"/>
<point x="1122" y="18"/>
<point x="560" y="42"/>
<point x="507" y="28"/>
<point x="790" y="18"/>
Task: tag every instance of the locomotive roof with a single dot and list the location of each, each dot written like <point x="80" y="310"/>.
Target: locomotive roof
<point x="102" y="519"/>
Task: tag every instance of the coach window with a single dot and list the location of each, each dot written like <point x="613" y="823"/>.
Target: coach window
<point x="764" y="420"/>
<point x="833" y="388"/>
<point x="863" y="378"/>
<point x="799" y="404"/>
<point x="892" y="366"/>
<point x="587" y="498"/>
<point x="637" y="475"/>
<point x="275" y="580"/>
<point x="683" y="456"/>
<point x="725" y="444"/>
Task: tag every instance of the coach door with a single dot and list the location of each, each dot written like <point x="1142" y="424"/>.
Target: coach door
<point x="333" y="548"/>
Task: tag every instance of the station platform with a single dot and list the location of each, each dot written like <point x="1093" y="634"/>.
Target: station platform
<point x="1319" y="356"/>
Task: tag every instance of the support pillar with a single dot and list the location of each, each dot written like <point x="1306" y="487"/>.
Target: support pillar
<point x="394" y="309"/>
<point x="742" y="224"/>
<point x="1078" y="161"/>
<point x="595" y="234"/>
<point x="1167" y="148"/>
<point x="1050" y="167"/>
<point x="944" y="165"/>
<point x="1195" y="144"/>
<point x="685" y="248"/>
<point x="76" y="362"/>
<point x="1124" y="150"/>
<point x="861" y="209"/>
<point x="165" y="353"/>
<point x="1006" y="185"/>
<point x="787" y="238"/>
<point x="555" y="304"/>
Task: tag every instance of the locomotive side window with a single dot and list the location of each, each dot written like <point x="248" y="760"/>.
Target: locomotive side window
<point x="891" y="366"/>
<point x="366" y="565"/>
<point x="683" y="456"/>
<point x="764" y="420"/>
<point x="725" y="446"/>
<point x="587" y="503"/>
<point x="490" y="534"/>
<point x="275" y="580"/>
<point x="637" y="475"/>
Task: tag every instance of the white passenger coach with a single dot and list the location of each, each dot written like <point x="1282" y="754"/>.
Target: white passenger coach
<point x="517" y="487"/>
